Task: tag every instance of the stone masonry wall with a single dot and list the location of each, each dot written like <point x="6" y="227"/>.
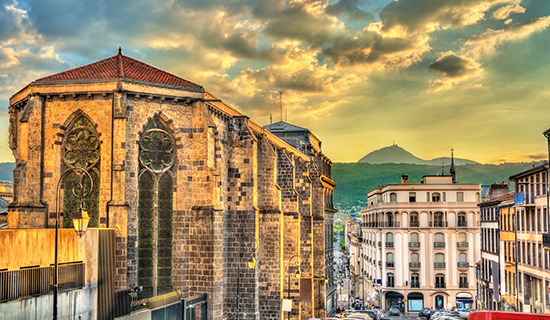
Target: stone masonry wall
<point x="271" y="237"/>
<point x="241" y="224"/>
<point x="291" y="228"/>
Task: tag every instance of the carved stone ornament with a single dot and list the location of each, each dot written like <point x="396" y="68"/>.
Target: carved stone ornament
<point x="156" y="153"/>
<point x="81" y="148"/>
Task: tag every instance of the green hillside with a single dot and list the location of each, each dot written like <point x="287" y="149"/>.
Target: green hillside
<point x="356" y="179"/>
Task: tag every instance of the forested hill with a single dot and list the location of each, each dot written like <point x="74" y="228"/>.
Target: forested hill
<point x="356" y="179"/>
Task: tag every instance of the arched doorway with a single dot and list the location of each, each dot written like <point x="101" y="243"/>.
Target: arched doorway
<point x="439" y="302"/>
<point x="415" y="301"/>
<point x="394" y="299"/>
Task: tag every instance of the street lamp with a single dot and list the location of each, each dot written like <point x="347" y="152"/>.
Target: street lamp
<point x="80" y="221"/>
<point x="297" y="274"/>
<point x="251" y="265"/>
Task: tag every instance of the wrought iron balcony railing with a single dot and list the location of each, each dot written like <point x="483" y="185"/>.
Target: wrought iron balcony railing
<point x="439" y="265"/>
<point x="414" y="245"/>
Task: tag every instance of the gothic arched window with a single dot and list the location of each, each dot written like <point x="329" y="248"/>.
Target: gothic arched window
<point x="155" y="210"/>
<point x="80" y="149"/>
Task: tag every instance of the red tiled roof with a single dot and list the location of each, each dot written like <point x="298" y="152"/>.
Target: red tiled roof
<point x="120" y="67"/>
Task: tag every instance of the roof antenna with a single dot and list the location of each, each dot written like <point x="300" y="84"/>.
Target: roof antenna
<point x="281" y="93"/>
<point x="119" y="50"/>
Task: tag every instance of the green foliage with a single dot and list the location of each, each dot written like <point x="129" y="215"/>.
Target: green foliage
<point x="355" y="180"/>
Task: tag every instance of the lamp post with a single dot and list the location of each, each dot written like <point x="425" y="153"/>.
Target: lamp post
<point x="297" y="263"/>
<point x="251" y="265"/>
<point x="80" y="222"/>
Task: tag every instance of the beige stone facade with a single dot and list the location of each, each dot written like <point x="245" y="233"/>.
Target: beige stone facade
<point x="183" y="178"/>
<point x="418" y="243"/>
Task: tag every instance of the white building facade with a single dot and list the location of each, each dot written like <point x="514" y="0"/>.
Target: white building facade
<point x="420" y="243"/>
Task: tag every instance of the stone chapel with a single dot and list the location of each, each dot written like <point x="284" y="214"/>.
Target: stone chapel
<point x="188" y="182"/>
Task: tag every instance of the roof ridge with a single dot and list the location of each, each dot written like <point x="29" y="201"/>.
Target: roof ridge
<point x="121" y="67"/>
<point x="75" y="69"/>
<point x="153" y="67"/>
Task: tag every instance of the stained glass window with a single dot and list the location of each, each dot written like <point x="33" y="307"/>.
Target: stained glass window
<point x="81" y="150"/>
<point x="156" y="157"/>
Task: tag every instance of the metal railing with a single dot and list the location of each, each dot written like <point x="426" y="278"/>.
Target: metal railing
<point x="463" y="224"/>
<point x="439" y="265"/>
<point x="380" y="244"/>
<point x="463" y="244"/>
<point x="439" y="244"/>
<point x="438" y="224"/>
<point x="389" y="264"/>
<point x="463" y="265"/>
<point x="413" y="224"/>
<point x="415" y="284"/>
<point x="389" y="244"/>
<point x="35" y="281"/>
<point x="463" y="285"/>
<point x="380" y="263"/>
<point x="440" y="285"/>
<point x="414" y="244"/>
<point x="414" y="265"/>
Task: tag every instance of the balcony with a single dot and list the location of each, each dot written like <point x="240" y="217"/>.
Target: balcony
<point x="389" y="264"/>
<point x="380" y="244"/>
<point x="438" y="224"/>
<point x="415" y="284"/>
<point x="389" y="244"/>
<point x="463" y="265"/>
<point x="439" y="265"/>
<point x="462" y="245"/>
<point x="439" y="244"/>
<point x="389" y="224"/>
<point x="414" y="224"/>
<point x="390" y="285"/>
<point x="463" y="285"/>
<point x="414" y="245"/>
<point x="440" y="286"/>
<point x="462" y="224"/>
<point x="379" y="263"/>
<point x="414" y="265"/>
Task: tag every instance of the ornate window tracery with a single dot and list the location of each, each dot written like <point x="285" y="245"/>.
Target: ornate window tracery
<point x="80" y="148"/>
<point x="155" y="210"/>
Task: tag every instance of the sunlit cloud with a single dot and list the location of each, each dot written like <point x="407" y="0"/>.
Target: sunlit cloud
<point x="453" y="69"/>
<point x="391" y="64"/>
<point x="487" y="42"/>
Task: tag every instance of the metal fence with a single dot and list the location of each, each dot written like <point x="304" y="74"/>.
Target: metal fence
<point x="35" y="281"/>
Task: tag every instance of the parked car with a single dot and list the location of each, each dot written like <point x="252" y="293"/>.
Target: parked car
<point x="346" y="313"/>
<point x="372" y="313"/>
<point x="394" y="312"/>
<point x="464" y="313"/>
<point x="426" y="312"/>
<point x="361" y="316"/>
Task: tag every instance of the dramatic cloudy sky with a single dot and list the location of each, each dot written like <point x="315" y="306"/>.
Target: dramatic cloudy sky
<point x="428" y="74"/>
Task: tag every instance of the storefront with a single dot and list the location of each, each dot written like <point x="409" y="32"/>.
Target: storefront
<point x="415" y="301"/>
<point x="464" y="300"/>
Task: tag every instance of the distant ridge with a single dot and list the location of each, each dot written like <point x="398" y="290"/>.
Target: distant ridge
<point x="396" y="154"/>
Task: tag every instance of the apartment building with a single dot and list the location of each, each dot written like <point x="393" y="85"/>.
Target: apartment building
<point x="531" y="222"/>
<point x="494" y="248"/>
<point x="420" y="243"/>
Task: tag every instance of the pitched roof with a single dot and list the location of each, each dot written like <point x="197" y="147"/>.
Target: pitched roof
<point x="120" y="67"/>
<point x="282" y="126"/>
